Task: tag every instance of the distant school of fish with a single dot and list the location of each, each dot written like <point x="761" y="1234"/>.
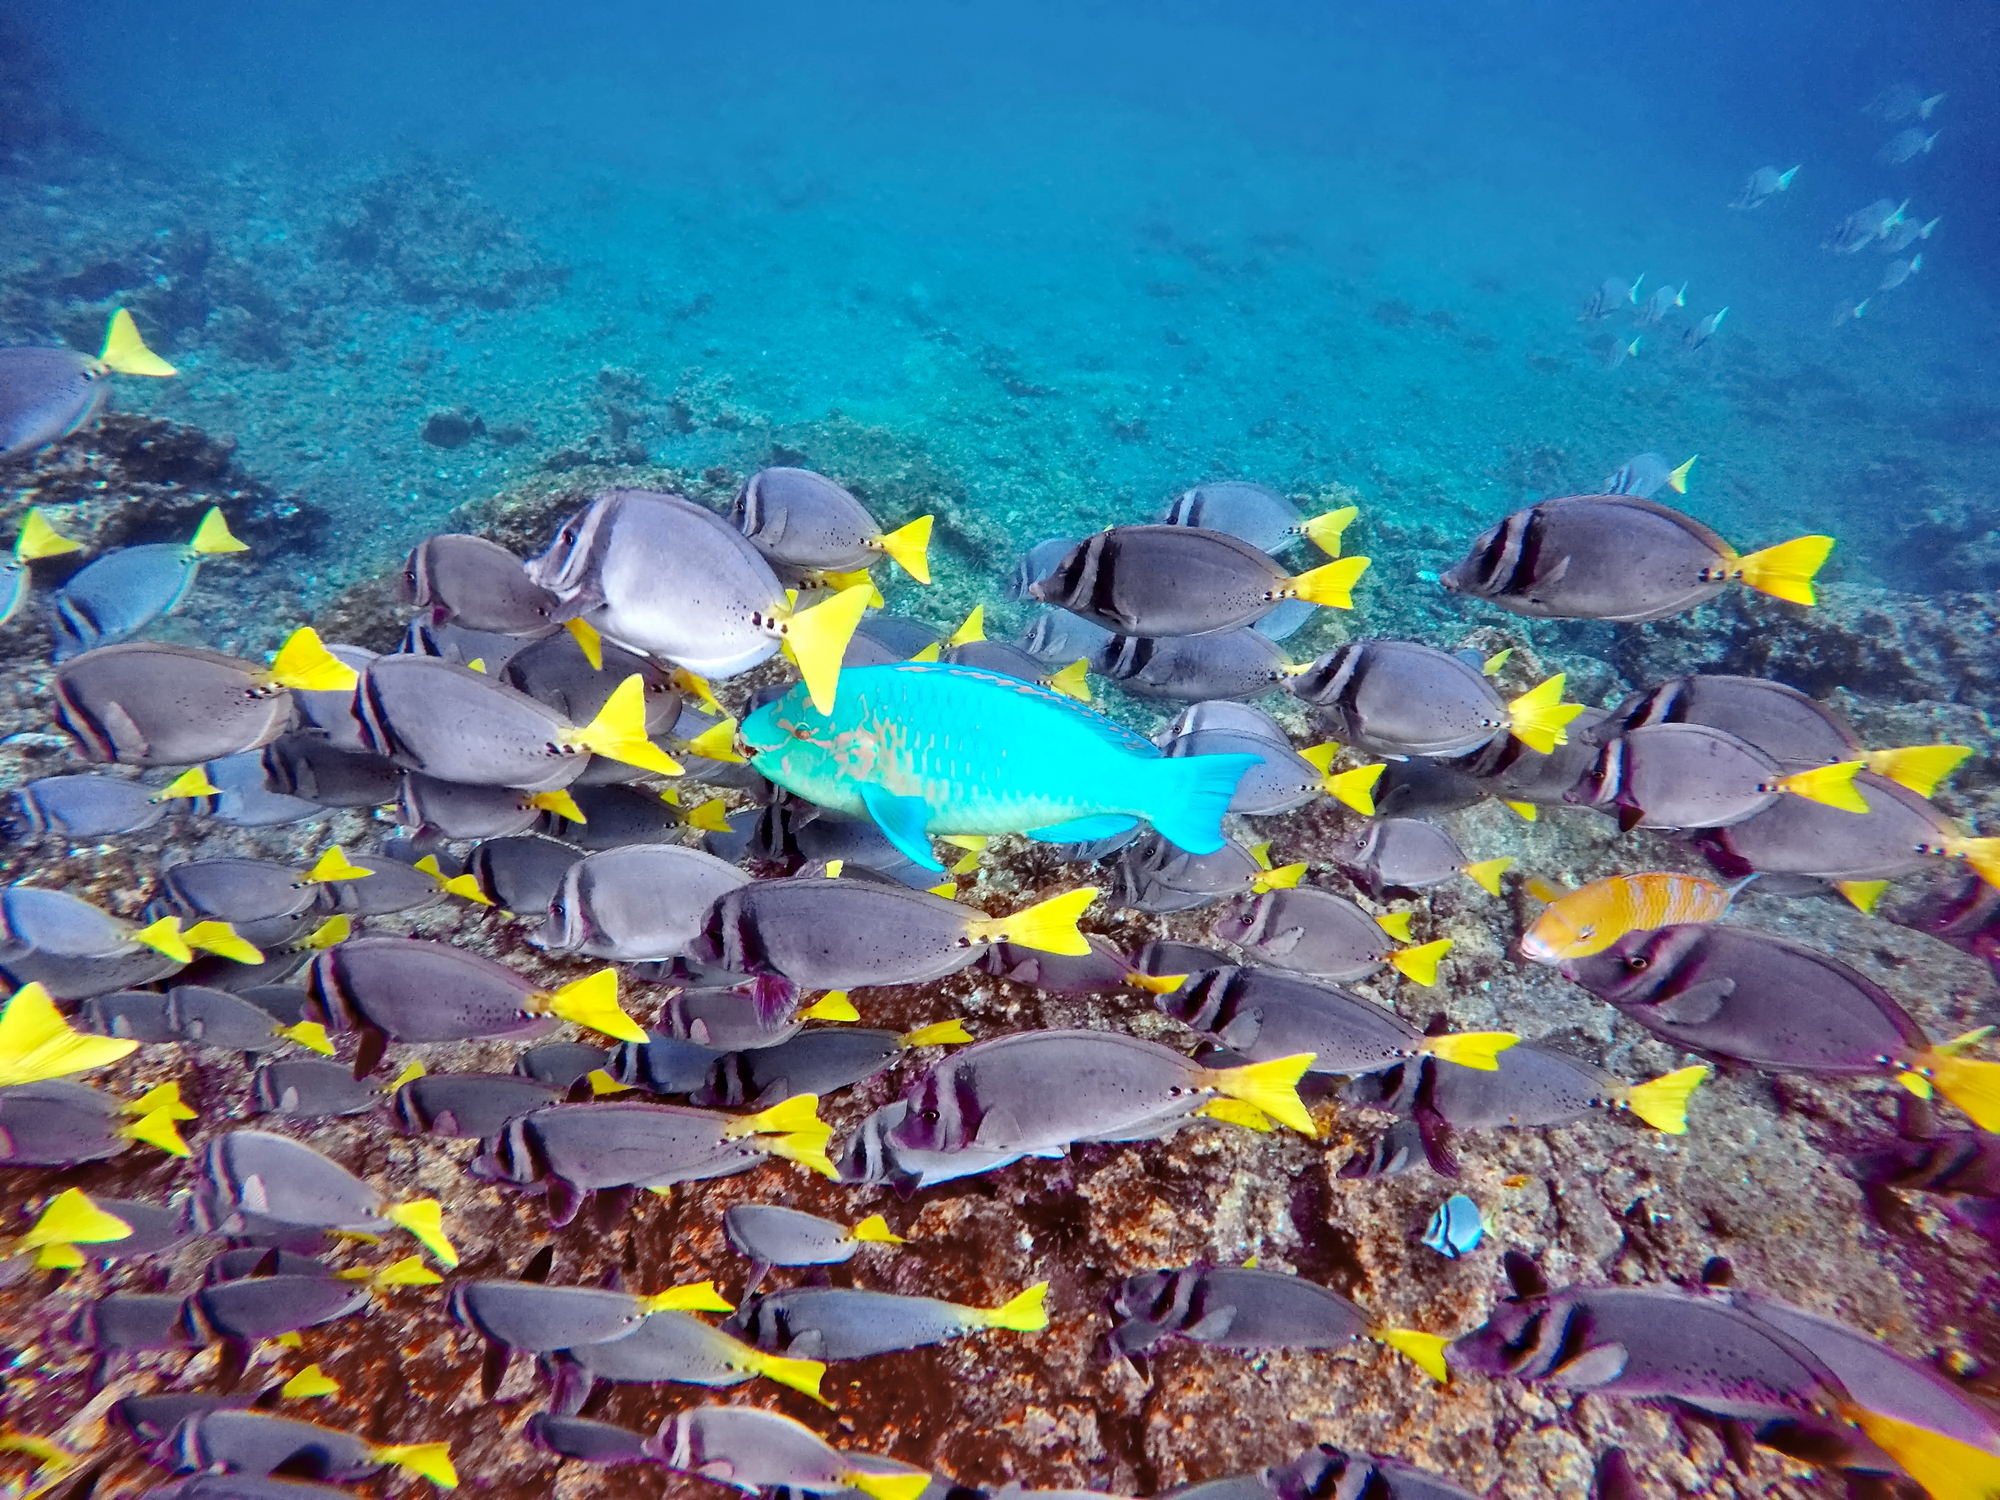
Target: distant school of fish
<point x="544" y="712"/>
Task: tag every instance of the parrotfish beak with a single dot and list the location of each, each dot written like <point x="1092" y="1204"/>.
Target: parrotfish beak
<point x="761" y="731"/>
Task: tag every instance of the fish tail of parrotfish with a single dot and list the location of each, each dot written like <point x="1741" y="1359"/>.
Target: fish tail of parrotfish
<point x="1331" y="584"/>
<point x="1470" y="1049"/>
<point x="1272" y="1087"/>
<point x="1424" y="1350"/>
<point x="1946" y="1468"/>
<point x="1786" y="570"/>
<point x="1918" y="767"/>
<point x="1027" y="1313"/>
<point x="799" y="1374"/>
<point x="619" y="731"/>
<point x="908" y="547"/>
<point x="1184" y="797"/>
<point x="1539" y="718"/>
<point x="1047" y="926"/>
<point x="1663" y="1103"/>
<point x="431" y="1461"/>
<point x="126" y="352"/>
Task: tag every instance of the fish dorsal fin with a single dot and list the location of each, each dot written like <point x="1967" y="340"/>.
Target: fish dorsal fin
<point x="126" y="352"/>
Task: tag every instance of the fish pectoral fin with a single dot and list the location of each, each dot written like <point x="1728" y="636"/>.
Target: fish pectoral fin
<point x="1594" y="1367"/>
<point x="903" y="821"/>
<point x="1084" y="830"/>
<point x="1214" y="1326"/>
<point x="998" y="1130"/>
<point x="1695" y="1006"/>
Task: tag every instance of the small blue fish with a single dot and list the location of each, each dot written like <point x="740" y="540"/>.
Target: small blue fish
<point x="1455" y="1230"/>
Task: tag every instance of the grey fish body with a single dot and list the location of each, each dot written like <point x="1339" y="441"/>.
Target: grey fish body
<point x="1308" y="930"/>
<point x="638" y="903"/>
<point x="1260" y="1014"/>
<point x="310" y="1089"/>
<point x="1165" y="581"/>
<point x="123" y="1322"/>
<point x="752" y="1449"/>
<point x="241" y="1487"/>
<point x="389" y="886"/>
<point x="244" y="796"/>
<point x="668" y="1348"/>
<point x="800" y="519"/>
<point x="89" y="806"/>
<point x="331" y="712"/>
<point x="472" y="1105"/>
<point x="215" y="1018"/>
<point x="267" y="903"/>
<point x="1037" y="563"/>
<point x="1253" y="513"/>
<point x="453" y="811"/>
<point x="119" y="593"/>
<point x="872" y="1156"/>
<point x="156" y="1228"/>
<point x="151" y="1418"/>
<point x="1796" y="836"/>
<point x="458" y="725"/>
<point x="241" y="1441"/>
<point x="45" y="395"/>
<point x="415" y="990"/>
<point x="819" y="1060"/>
<point x="1238" y="663"/>
<point x="1232" y="1308"/>
<point x="461" y="646"/>
<point x="574" y="1149"/>
<point x="1055" y="637"/>
<point x="996" y="656"/>
<point x="247" y="1176"/>
<point x="1402" y="698"/>
<point x="477" y="583"/>
<point x="134" y="1015"/>
<point x="1530" y="1084"/>
<point x="1157" y="876"/>
<point x="585" y="1440"/>
<point x="538" y="1318"/>
<point x="71" y="948"/>
<point x="1280" y="781"/>
<point x="838" y="1323"/>
<point x="732" y="1019"/>
<point x="521" y="873"/>
<point x="837" y="934"/>
<point x="1101" y="971"/>
<point x="1783" y="722"/>
<point x="1681" y="776"/>
<point x="1595" y="557"/>
<point x="663" y="1064"/>
<point x="1511" y="770"/>
<point x="1398" y="854"/>
<point x="780" y="1236"/>
<point x="144" y="704"/>
<point x="555" y="672"/>
<point x="560" y="1064"/>
<point x="308" y="765"/>
<point x="56" y="1123"/>
<point x="263" y="1307"/>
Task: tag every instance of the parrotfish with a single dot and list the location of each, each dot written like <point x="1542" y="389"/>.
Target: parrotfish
<point x="477" y="583"/>
<point x="938" y="750"/>
<point x="121" y="592"/>
<point x="1591" y="918"/>
<point x="800" y="519"/>
<point x="47" y="393"/>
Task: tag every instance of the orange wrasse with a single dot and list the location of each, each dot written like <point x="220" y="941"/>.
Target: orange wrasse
<point x="1589" y="920"/>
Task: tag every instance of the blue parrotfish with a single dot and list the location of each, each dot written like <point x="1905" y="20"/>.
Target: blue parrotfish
<point x="933" y="748"/>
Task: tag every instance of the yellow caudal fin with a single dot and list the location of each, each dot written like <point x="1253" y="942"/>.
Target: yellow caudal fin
<point x="930" y="653"/>
<point x="561" y="803"/>
<point x="1918" y="767"/>
<point x="1973" y="1086"/>
<point x="303" y="662"/>
<point x="409" y="1271"/>
<point x="126" y="352"/>
<point x="336" y="929"/>
<point x="1325" y="531"/>
<point x="223" y="941"/>
<point x="1331" y="584"/>
<point x="192" y="783"/>
<point x="1424" y="1350"/>
<point x="1356" y="787"/>
<point x="1073" y="681"/>
<point x="36" y="1043"/>
<point x="798" y="1113"/>
<point x="1271" y="1086"/>
<point x="39" y="539"/>
<point x="1527" y="812"/>
<point x="1420" y="963"/>
<point x="309" y="1383"/>
<point x="1786" y="570"/>
<point x="1862" y="894"/>
<point x="1471" y="1049"/>
<point x="818" y="639"/>
<point x="593" y="1001"/>
<point x="1982" y="854"/>
<point x="588" y="641"/>
<point x="1486" y="874"/>
<point x="696" y="1296"/>
<point x="875" y="1230"/>
<point x="890" y="1486"/>
<point x="72" y="1219"/>
<point x="1946" y="1468"/>
<point x="800" y="1374"/>
<point x="860" y="577"/>
<point x="1831" y="786"/>
<point x="431" y="1461"/>
<point x="711" y="816"/>
<point x="213" y="536"/>
<point x="1396" y="924"/>
<point x="335" y="865"/>
<point x="1678" y="480"/>
<point x="941" y="1034"/>
<point x="1047" y="926"/>
<point x="807" y="1148"/>
<point x="164" y="937"/>
<point x="412" y="1071"/>
<point x="1539" y="718"/>
<point x="424" y="1218"/>
<point x="972" y="629"/>
<point x="1663" y="1103"/>
<point x="1492" y="665"/>
<point x="157" y="1128"/>
<point x="909" y="547"/>
<point x="718" y="742"/>
<point x="1283" y="878"/>
<point x="1155" y="984"/>
<point x="166" y="1096"/>
<point x="1026" y="1313"/>
<point x="602" y="1083"/>
<point x="619" y="731"/>
<point x="1236" y="1112"/>
<point x="832" y="1006"/>
<point x="688" y="682"/>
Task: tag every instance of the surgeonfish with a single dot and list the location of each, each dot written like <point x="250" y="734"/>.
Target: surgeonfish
<point x="1055" y="636"/>
<point x="799" y="519"/>
<point x="1036" y="564"/>
<point x="1865" y="226"/>
<point x="1655" y="308"/>
<point x="1703" y="331"/>
<point x="475" y="1106"/>
<point x="675" y="1347"/>
<point x="660" y="574"/>
<point x="1763" y="183"/>
<point x="939" y="750"/>
<point x="1578" y="923"/>
<point x="736" y="1018"/>
<point x="842" y="1323"/>
<point x="752" y="1449"/>
<point x="1156" y="876"/>
<point x="1399" y="698"/>
<point x="537" y="1318"/>
<point x="36" y="540"/>
<point x="442" y="809"/>
<point x="1314" y="931"/>
<point x="1455" y="1229"/>
<point x="872" y="1156"/>
<point x="556" y="672"/>
<point x="1324" y="1470"/>
<point x="309" y="1089"/>
<point x="242" y="1441"/>
<point x="843" y="934"/>
<point x="1906" y="146"/>
<point x="306" y="765"/>
<point x="1613" y="293"/>
<point x="267" y="903"/>
<point x="88" y="806"/>
<point x="477" y="584"/>
<point x="1240" y="663"/>
<point x="1263" y="1014"/>
<point x="119" y="593"/>
<point x="1281" y="780"/>
<point x="252" y="1180"/>
<point x="1618" y="558"/>
<point x="1408" y="854"/>
<point x="142" y="703"/>
<point x="1906" y="234"/>
<point x="57" y="1123"/>
<point x="635" y="904"/>
<point x="1756" y="998"/>
<point x="70" y="1219"/>
<point x="1899" y="271"/>
<point x="1902" y="101"/>
<point x="249" y="1309"/>
<point x="1256" y="514"/>
<point x="822" y="1060"/>
<point x="773" y="1235"/>
<point x="1691" y="776"/>
<point x="1648" y="474"/>
<point x="48" y="393"/>
<point x="71" y="950"/>
<point x="585" y="1440"/>
<point x="1182" y="580"/>
<point x="1231" y="1307"/>
<point x="521" y="873"/>
<point x="243" y="1487"/>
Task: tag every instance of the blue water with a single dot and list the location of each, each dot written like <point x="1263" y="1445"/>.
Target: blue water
<point x="1074" y="256"/>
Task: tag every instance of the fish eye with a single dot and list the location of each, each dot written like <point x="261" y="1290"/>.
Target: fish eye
<point x="930" y="1115"/>
<point x="800" y="732"/>
<point x="1638" y="963"/>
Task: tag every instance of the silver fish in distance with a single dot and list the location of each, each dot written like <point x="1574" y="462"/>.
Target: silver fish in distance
<point x="476" y="583"/>
<point x="1656" y="307"/>
<point x="1762" y="184"/>
<point x="1906" y="146"/>
<point x="1613" y="293"/>
<point x="1648" y="474"/>
<point x="1865" y="226"/>
<point x="1899" y="271"/>
<point x="800" y="519"/>
<point x="1704" y="330"/>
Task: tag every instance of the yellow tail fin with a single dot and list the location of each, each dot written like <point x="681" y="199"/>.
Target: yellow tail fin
<point x="156" y="1128"/>
<point x="1862" y="894"/>
<point x="800" y="1112"/>
<point x="1073" y="681"/>
<point x="335" y="865"/>
<point x="1023" y="1314"/>
<point x="430" y="1460"/>
<point x="193" y="783"/>
<point x="223" y="941"/>
<point x="1325" y="531"/>
<point x="619" y="731"/>
<point x="1424" y="1350"/>
<point x="1155" y="984"/>
<point x="1356" y="788"/>
<point x="37" y="1043"/>
<point x="800" y="1374"/>
<point x="213" y="536"/>
<point x="1539" y="718"/>
<point x="938" y="1035"/>
<point x="718" y="743"/>
<point x="561" y="803"/>
<point x="1283" y="878"/>
<point x="711" y="816"/>
<point x="818" y="638"/>
<point x="832" y="1006"/>
<point x="1678" y="480"/>
<point x="304" y="663"/>
<point x="696" y="1296"/>
<point x="909" y="547"/>
<point x="126" y="352"/>
<point x="39" y="539"/>
<point x="1973" y="1086"/>
<point x="310" y="1382"/>
<point x="424" y="1218"/>
<point x="807" y="1148"/>
<point x="890" y="1486"/>
<point x="688" y="682"/>
<point x="1396" y="924"/>
<point x="1527" y="812"/>
<point x="930" y="653"/>
<point x="412" y="1071"/>
<point x="1486" y="874"/>
<point x="164" y="937"/>
<point x="1982" y="854"/>
<point x="1331" y="584"/>
<point x="1786" y="570"/>
<point x="335" y="929"/>
<point x="602" y="1083"/>
<point x="875" y="1230"/>
<point x="588" y="641"/>
<point x="973" y="628"/>
<point x="409" y="1271"/>
<point x="1946" y="1468"/>
<point x="1471" y="1049"/>
<point x="1421" y="963"/>
<point x="166" y="1096"/>
<point x="72" y="1219"/>
<point x="1271" y="1086"/>
<point x="1047" y="926"/>
<point x="1663" y="1103"/>
<point x="593" y="1001"/>
<point x="1236" y="1112"/>
<point x="1831" y="786"/>
<point x="1918" y="767"/>
<point x="1492" y="665"/>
